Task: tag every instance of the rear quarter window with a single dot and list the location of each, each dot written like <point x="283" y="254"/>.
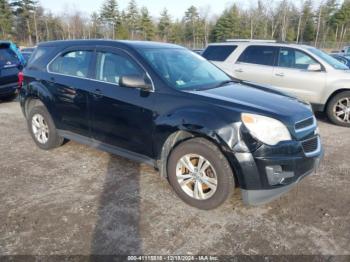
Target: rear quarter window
<point x="40" y="58"/>
<point x="259" y="55"/>
<point x="218" y="53"/>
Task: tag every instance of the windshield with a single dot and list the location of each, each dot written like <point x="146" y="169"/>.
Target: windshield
<point x="327" y="58"/>
<point x="183" y="69"/>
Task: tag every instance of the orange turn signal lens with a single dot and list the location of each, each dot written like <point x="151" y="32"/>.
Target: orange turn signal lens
<point x="248" y="119"/>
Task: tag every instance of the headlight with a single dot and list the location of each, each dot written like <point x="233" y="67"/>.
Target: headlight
<point x="267" y="130"/>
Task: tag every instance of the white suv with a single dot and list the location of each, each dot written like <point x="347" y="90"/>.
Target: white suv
<point x="301" y="71"/>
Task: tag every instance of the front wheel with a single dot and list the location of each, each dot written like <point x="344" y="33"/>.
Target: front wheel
<point x="338" y="109"/>
<point x="200" y="174"/>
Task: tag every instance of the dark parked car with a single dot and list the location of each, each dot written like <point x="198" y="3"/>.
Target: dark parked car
<point x="166" y="106"/>
<point x="10" y="65"/>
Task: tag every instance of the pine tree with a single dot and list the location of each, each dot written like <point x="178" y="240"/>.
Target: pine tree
<point x="95" y="25"/>
<point x="132" y="18"/>
<point x="308" y="28"/>
<point x="146" y="24"/>
<point x="110" y="15"/>
<point x="176" y="34"/>
<point x="164" y="25"/>
<point x="123" y="29"/>
<point x="24" y="11"/>
<point x="6" y="19"/>
<point x="191" y="20"/>
<point x="227" y="26"/>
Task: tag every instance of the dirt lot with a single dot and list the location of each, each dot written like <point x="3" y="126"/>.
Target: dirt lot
<point x="78" y="200"/>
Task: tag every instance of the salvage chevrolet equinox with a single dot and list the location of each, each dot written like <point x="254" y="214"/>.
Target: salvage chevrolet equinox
<point x="164" y="105"/>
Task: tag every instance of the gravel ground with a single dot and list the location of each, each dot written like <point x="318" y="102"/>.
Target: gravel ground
<point x="78" y="200"/>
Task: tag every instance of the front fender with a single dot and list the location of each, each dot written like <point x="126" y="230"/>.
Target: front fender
<point x="199" y="121"/>
<point x="341" y="84"/>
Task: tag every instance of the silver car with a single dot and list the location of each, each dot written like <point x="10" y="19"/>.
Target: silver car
<point x="299" y="70"/>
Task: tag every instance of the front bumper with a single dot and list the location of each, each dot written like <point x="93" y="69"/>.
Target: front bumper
<point x="289" y="158"/>
<point x="263" y="196"/>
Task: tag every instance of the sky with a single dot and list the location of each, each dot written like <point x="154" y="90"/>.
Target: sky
<point x="176" y="8"/>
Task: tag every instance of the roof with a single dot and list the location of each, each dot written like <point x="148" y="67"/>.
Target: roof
<point x="128" y="43"/>
<point x="252" y="42"/>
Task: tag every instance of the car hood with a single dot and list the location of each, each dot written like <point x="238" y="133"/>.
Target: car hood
<point x="252" y="98"/>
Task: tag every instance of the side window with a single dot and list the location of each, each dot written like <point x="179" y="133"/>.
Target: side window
<point x="74" y="63"/>
<point x="292" y="58"/>
<point x="110" y="67"/>
<point x="260" y="55"/>
<point x="218" y="52"/>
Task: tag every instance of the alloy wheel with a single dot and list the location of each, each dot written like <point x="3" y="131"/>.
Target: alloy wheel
<point x="196" y="176"/>
<point x="40" y="129"/>
<point x="341" y="110"/>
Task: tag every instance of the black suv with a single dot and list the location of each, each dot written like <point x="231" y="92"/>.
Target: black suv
<point x="10" y="66"/>
<point x="166" y="106"/>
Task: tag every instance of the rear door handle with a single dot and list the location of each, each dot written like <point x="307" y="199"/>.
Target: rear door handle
<point x="279" y="74"/>
<point x="97" y="93"/>
<point x="239" y="70"/>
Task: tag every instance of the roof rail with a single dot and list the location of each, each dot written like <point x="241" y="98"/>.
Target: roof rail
<point x="251" y="40"/>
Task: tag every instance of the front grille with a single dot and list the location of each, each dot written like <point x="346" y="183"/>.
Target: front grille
<point x="310" y="145"/>
<point x="304" y="123"/>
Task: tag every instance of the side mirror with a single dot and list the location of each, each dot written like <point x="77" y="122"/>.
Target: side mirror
<point x="314" y="68"/>
<point x="135" y="81"/>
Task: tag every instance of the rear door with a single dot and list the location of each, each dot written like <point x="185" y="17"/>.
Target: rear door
<point x="255" y="64"/>
<point x="291" y="75"/>
<point x="9" y="66"/>
<point x="70" y="83"/>
<point x="121" y="116"/>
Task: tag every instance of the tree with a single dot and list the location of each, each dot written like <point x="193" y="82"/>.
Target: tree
<point x="228" y="25"/>
<point x="177" y="34"/>
<point x="146" y="25"/>
<point x="110" y="16"/>
<point x="6" y="19"/>
<point x="164" y="25"/>
<point x="24" y="11"/>
<point x="132" y="18"/>
<point x="308" y="25"/>
<point x="194" y="26"/>
<point x="95" y="25"/>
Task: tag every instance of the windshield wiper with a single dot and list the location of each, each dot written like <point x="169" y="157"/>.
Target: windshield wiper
<point x="222" y="83"/>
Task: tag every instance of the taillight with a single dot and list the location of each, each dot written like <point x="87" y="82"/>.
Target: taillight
<point x="20" y="79"/>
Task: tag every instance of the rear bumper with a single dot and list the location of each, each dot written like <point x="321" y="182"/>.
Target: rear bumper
<point x="8" y="89"/>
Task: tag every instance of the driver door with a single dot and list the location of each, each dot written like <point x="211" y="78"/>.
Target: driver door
<point x="291" y="75"/>
<point x="121" y="116"/>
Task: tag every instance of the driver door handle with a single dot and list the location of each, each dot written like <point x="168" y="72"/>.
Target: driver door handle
<point x="239" y="70"/>
<point x="279" y="74"/>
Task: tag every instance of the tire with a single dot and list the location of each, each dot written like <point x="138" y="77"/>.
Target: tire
<point x="51" y="139"/>
<point x="339" y="103"/>
<point x="219" y="169"/>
